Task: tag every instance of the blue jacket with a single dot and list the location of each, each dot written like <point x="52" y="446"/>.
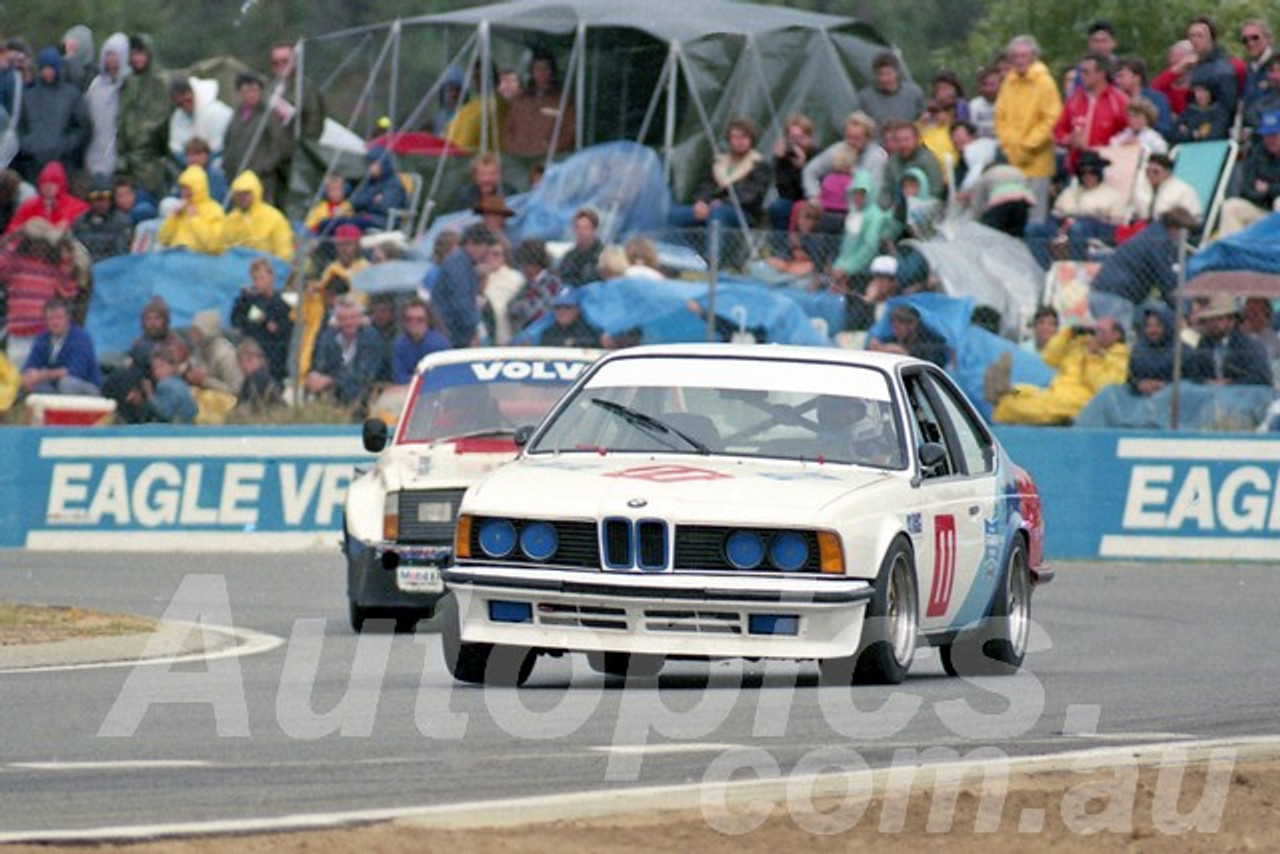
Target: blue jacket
<point x="453" y="294"/>
<point x="407" y="353"/>
<point x="77" y="355"/>
<point x="374" y="199"/>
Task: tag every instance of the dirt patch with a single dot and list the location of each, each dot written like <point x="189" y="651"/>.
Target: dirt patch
<point x="1199" y="807"/>
<point x="33" y="624"/>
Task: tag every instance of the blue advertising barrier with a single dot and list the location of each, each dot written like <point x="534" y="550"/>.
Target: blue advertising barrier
<point x="1105" y="494"/>
<point x="1154" y="495"/>
<point x="176" y="489"/>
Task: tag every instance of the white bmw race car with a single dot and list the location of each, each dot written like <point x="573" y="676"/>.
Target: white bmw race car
<point x="459" y="418"/>
<point x="706" y="501"/>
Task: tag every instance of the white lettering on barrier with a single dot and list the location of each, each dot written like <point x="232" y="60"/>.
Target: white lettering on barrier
<point x="162" y="494"/>
<point x="1246" y="499"/>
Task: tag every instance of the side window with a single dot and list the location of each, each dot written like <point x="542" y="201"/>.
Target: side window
<point x="927" y="424"/>
<point x="974" y="443"/>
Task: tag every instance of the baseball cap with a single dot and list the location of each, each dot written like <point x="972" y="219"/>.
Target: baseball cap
<point x="566" y="297"/>
<point x="884" y="265"/>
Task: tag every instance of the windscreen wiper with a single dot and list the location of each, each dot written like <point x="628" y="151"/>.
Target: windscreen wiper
<point x="649" y="424"/>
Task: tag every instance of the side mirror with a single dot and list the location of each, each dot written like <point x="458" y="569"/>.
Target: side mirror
<point x="374" y="435"/>
<point x="522" y="435"/>
<point x="933" y="459"/>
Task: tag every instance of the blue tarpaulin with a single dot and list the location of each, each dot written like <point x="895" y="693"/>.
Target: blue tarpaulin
<point x="1254" y="248"/>
<point x="188" y="281"/>
<point x="661" y="309"/>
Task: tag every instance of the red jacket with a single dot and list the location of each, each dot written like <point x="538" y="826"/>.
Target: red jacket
<point x="1109" y="117"/>
<point x="66" y="207"/>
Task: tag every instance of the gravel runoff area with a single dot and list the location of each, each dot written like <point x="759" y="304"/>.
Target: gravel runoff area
<point x="1142" y="800"/>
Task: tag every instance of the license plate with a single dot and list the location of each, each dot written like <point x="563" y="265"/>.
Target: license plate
<point x="419" y="579"/>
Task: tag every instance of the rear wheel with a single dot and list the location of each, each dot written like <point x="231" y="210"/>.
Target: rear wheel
<point x="890" y="628"/>
<point x="999" y="645"/>
<point x="480" y="663"/>
<point x="356" y="615"/>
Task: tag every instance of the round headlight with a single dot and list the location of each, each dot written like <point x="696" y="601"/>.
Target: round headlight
<point x="538" y="540"/>
<point x="497" y="537"/>
<point x="788" y="551"/>
<point x="744" y="549"/>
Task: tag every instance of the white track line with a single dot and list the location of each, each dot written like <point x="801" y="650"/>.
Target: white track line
<point x="244" y="642"/>
<point x="592" y="804"/>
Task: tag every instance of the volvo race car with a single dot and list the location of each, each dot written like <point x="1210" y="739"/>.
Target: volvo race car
<point x="459" y="417"/>
<point x="708" y="501"/>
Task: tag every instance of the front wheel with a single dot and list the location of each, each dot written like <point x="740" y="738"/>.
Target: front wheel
<point x="480" y="663"/>
<point x="1000" y="644"/>
<point x="890" y="629"/>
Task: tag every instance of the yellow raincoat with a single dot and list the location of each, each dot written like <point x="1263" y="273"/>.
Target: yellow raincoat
<point x="261" y="227"/>
<point x="1027" y="108"/>
<point x="200" y="226"/>
<point x="1081" y="375"/>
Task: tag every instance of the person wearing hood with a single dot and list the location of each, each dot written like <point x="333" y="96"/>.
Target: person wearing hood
<point x="197" y="114"/>
<point x="52" y="202"/>
<point x="199" y="224"/>
<point x="77" y="56"/>
<point x="143" y="120"/>
<point x="53" y="123"/>
<point x="254" y="224"/>
<point x="102" y="100"/>
<point x="741" y="173"/>
<point x="103" y="231"/>
<point x="908" y="154"/>
<point x="1151" y="362"/>
<point x="379" y="193"/>
<point x="1027" y="108"/>
<point x="450" y="99"/>
<point x="255" y="139"/>
<point x="866" y="226"/>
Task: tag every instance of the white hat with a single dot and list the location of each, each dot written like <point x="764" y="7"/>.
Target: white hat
<point x="884" y="265"/>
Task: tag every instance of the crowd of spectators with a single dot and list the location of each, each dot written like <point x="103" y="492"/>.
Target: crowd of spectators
<point x="105" y="146"/>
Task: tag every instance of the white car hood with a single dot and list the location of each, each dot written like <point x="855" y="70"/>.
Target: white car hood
<point x="436" y="465"/>
<point x="678" y="487"/>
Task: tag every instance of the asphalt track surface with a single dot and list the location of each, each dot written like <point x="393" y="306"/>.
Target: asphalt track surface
<point x="326" y="724"/>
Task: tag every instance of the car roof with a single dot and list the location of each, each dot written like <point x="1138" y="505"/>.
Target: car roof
<point x="830" y="355"/>
<point x="464" y="355"/>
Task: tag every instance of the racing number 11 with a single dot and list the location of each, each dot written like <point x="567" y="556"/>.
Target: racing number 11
<point x="944" y="565"/>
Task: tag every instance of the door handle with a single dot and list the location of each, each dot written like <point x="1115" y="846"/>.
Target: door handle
<point x="975" y="509"/>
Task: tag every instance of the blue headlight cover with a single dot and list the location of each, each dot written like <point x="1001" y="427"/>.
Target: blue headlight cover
<point x="744" y="549"/>
<point x="497" y="537"/>
<point x="788" y="551"/>
<point x="538" y="540"/>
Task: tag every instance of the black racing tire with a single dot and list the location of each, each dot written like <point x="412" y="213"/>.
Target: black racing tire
<point x="626" y="665"/>
<point x="480" y="663"/>
<point x="891" y="626"/>
<point x="357" y="615"/>
<point x="999" y="646"/>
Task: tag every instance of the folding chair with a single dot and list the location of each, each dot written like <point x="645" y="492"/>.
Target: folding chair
<point x="1127" y="162"/>
<point x="1206" y="166"/>
<point x="404" y="218"/>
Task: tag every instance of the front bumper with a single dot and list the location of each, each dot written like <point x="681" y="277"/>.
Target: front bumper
<point x="675" y="614"/>
<point x="373" y="570"/>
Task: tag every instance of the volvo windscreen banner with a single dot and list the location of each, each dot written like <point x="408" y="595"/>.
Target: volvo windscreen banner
<point x="1105" y="494"/>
